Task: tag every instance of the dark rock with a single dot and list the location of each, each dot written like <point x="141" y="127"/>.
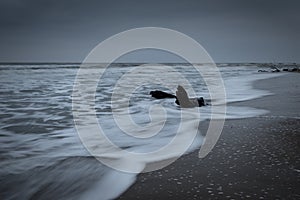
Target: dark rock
<point x="262" y="70"/>
<point x="276" y="70"/>
<point x="199" y="101"/>
<point x="184" y="101"/>
<point x="294" y="69"/>
<point x="161" y="95"/>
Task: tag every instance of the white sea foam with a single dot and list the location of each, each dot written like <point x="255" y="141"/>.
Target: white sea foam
<point x="111" y="185"/>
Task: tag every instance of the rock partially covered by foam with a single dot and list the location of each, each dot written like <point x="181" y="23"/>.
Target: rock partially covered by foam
<point x="181" y="97"/>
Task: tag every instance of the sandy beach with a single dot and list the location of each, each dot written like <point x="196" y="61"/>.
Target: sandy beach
<point x="255" y="158"/>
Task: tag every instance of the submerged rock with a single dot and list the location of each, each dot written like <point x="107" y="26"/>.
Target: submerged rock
<point x="275" y="69"/>
<point x="295" y="69"/>
<point x="261" y="70"/>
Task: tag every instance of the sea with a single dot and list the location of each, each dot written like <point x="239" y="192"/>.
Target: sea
<point x="43" y="148"/>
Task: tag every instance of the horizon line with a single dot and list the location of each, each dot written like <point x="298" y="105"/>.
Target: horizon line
<point x="28" y="63"/>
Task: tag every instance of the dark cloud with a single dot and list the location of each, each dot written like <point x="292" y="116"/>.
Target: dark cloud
<point x="231" y="31"/>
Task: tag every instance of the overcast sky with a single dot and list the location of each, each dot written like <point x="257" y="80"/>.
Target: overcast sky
<point x="230" y="30"/>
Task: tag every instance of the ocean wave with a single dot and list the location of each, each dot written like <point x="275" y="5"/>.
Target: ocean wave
<point x="43" y="157"/>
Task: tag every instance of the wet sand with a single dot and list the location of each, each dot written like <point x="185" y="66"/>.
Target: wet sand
<point x="255" y="158"/>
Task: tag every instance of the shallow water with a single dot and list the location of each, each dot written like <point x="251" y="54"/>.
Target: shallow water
<point x="41" y="154"/>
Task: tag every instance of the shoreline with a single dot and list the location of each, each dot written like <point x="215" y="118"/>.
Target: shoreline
<point x="254" y="157"/>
